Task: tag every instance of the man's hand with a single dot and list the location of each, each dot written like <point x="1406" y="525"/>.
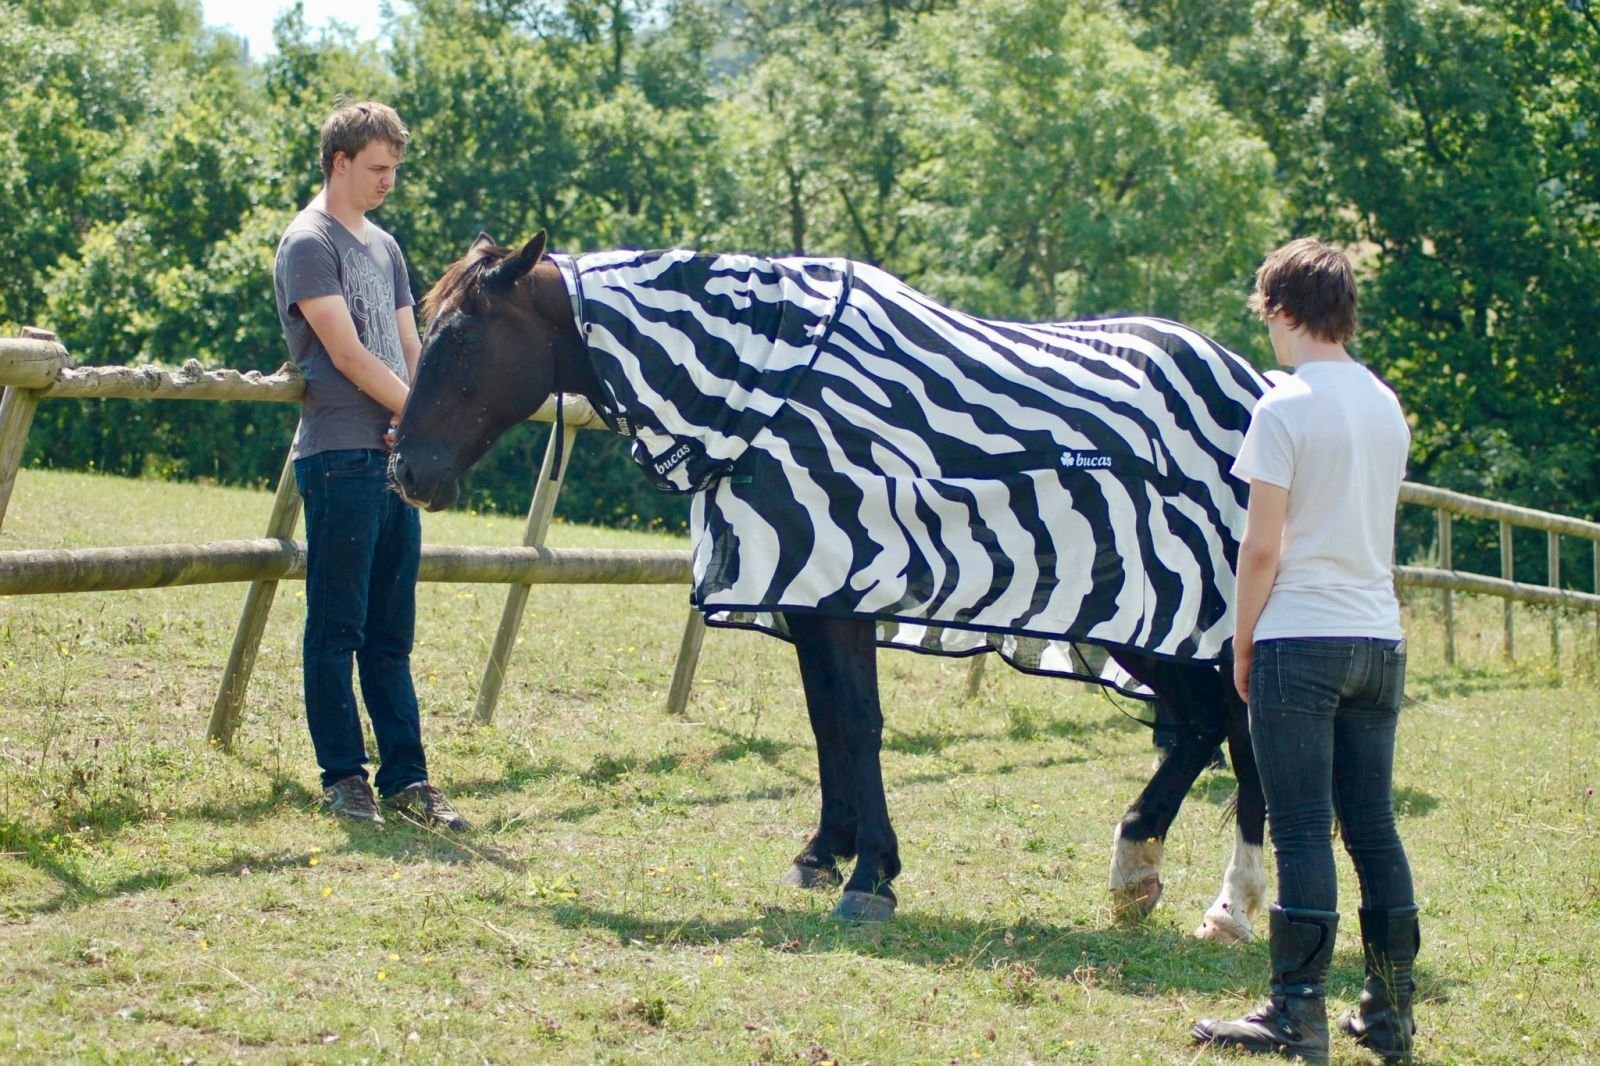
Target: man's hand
<point x="388" y="434"/>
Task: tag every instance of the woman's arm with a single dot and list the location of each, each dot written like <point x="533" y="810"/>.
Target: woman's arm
<point x="1258" y="568"/>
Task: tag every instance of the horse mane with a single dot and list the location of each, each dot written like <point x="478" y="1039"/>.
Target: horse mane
<point x="460" y="281"/>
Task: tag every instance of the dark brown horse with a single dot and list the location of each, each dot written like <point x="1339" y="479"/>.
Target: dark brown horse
<point x="503" y="337"/>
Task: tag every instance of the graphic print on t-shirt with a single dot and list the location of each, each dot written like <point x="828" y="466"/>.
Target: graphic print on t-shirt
<point x="370" y="294"/>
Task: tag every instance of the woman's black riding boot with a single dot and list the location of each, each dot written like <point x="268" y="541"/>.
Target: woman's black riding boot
<point x="1391" y="939"/>
<point x="1293" y="1022"/>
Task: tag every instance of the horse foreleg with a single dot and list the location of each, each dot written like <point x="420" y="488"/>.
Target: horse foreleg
<point x="839" y="661"/>
<point x="1231" y="919"/>
<point x="1138" y="845"/>
<point x="839" y="668"/>
<point x="817" y="865"/>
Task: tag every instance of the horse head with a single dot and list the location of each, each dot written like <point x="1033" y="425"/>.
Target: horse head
<point x="489" y="360"/>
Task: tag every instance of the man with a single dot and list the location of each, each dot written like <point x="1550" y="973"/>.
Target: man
<point x="344" y="299"/>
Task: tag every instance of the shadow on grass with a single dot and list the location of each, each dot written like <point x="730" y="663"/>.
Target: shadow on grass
<point x="929" y="741"/>
<point x="41" y="850"/>
<point x="401" y="840"/>
<point x="739" y="745"/>
<point x="1411" y="802"/>
<point x="1461" y="681"/>
<point x="805" y="784"/>
<point x="1138" y="960"/>
<point x="607" y="771"/>
<point x="516" y="777"/>
<point x="60" y="854"/>
<point x="1015" y="723"/>
<point x="396" y="841"/>
<point x="52" y="847"/>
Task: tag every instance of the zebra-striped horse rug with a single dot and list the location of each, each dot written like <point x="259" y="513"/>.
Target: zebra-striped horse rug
<point x="857" y="449"/>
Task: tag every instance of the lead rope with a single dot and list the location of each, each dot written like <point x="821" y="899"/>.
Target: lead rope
<point x="569" y="278"/>
<point x="560" y="431"/>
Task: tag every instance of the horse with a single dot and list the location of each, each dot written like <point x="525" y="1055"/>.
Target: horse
<point x="750" y="383"/>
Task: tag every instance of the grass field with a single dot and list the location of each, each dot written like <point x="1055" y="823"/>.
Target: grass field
<point x="164" y="902"/>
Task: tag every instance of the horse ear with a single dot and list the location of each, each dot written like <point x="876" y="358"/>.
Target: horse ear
<point x="508" y="270"/>
<point x="483" y="241"/>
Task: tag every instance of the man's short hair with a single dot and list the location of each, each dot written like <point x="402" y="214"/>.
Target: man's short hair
<point x="1314" y="284"/>
<point x="354" y="126"/>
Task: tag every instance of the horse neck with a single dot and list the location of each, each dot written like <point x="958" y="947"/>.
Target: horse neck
<point x="574" y="372"/>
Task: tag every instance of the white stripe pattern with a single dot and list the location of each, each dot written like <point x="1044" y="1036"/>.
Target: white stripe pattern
<point x="973" y="485"/>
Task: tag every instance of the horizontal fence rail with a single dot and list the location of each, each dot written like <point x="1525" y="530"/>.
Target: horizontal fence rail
<point x="35" y="367"/>
<point x="35" y="572"/>
<point x="191" y="381"/>
<point x="1481" y="584"/>
<point x="1459" y="503"/>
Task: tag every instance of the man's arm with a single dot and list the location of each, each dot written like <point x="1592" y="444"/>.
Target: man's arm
<point x="410" y="342"/>
<point x="1259" y="552"/>
<point x="329" y="317"/>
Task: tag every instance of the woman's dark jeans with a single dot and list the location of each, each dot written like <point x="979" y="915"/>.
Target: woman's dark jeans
<point x="1322" y="720"/>
<point x="363" y="548"/>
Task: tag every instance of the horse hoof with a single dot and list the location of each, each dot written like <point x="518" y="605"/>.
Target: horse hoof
<point x="864" y="907"/>
<point x="1220" y="926"/>
<point x="1135" y="875"/>
<point x="811" y="877"/>
<point x="1136" y="901"/>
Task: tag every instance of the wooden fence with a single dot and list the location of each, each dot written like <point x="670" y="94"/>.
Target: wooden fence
<point x="1447" y="506"/>
<point x="35" y="367"/>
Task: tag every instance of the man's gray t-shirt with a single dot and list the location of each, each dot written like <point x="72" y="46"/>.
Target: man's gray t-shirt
<point x="318" y="256"/>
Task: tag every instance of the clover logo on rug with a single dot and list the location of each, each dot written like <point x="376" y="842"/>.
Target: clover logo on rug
<point x="1085" y="460"/>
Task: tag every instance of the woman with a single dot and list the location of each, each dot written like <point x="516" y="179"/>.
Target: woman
<point x="1320" y="659"/>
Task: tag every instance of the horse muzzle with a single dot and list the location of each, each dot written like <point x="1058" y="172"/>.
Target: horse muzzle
<point x="416" y="488"/>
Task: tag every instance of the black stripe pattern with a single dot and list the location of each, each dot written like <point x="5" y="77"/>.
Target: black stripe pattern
<point x="1047" y="491"/>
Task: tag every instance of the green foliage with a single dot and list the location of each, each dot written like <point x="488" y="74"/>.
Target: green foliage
<point x="71" y="94"/>
<point x="1021" y="158"/>
<point x="1449" y="143"/>
<point x="1087" y="176"/>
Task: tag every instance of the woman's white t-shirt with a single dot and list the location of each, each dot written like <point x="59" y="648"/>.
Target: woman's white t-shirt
<point x="1333" y="435"/>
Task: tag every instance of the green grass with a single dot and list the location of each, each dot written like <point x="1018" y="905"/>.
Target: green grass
<point x="161" y="901"/>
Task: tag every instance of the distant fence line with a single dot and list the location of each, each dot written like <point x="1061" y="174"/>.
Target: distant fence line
<point x="1447" y="505"/>
<point x="35" y="367"/>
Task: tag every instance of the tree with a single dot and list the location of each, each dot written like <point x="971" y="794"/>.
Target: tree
<point x="72" y="92"/>
<point x="824" y="144"/>
<point x="153" y="270"/>
<point x="1082" y="175"/>
<point x="1448" y="144"/>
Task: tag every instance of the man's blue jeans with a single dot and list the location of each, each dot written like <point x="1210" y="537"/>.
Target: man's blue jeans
<point x="1323" y="713"/>
<point x="363" y="548"/>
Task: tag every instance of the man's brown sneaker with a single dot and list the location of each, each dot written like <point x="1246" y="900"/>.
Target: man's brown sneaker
<point x="424" y="804"/>
<point x="351" y="797"/>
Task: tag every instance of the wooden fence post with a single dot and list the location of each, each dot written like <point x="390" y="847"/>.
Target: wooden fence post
<point x="975" y="675"/>
<point x="1554" y="556"/>
<point x="1508" y="570"/>
<point x="253" y="618"/>
<point x="562" y="439"/>
<point x="39" y="363"/>
<point x="694" y="635"/>
<point x="1447" y="597"/>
